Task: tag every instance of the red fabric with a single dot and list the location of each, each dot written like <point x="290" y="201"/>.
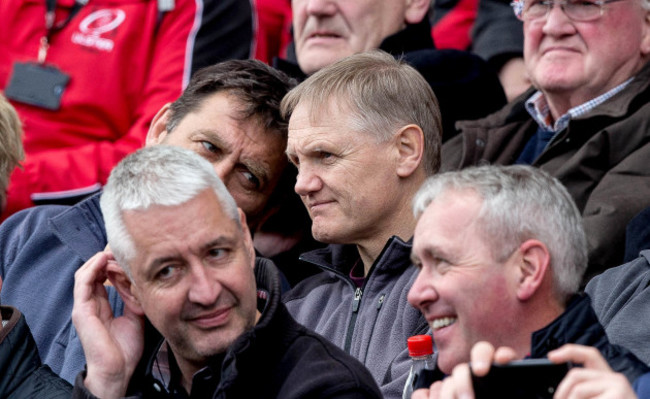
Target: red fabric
<point x="273" y="29"/>
<point x="113" y="92"/>
<point x="454" y="29"/>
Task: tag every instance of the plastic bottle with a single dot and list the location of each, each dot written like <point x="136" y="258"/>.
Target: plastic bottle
<point x="421" y="352"/>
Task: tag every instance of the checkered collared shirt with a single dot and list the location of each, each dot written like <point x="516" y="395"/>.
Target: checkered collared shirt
<point x="538" y="108"/>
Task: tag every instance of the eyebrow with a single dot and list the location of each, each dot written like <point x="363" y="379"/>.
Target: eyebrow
<point x="219" y="241"/>
<point x="433" y="251"/>
<point x="257" y="168"/>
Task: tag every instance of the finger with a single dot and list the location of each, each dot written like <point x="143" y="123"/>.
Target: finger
<point x="568" y="383"/>
<point x="88" y="274"/>
<point x="89" y="293"/>
<point x="435" y="390"/>
<point x="482" y="356"/>
<point x="588" y="356"/>
<point x="421" y="394"/>
<point x="585" y="383"/>
<point x="446" y="389"/>
<point x="504" y="355"/>
<point x="462" y="382"/>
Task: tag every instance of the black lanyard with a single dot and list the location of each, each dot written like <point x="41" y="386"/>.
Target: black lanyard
<point x="51" y="28"/>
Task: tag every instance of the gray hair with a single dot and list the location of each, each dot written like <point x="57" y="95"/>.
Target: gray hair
<point x="156" y="175"/>
<point x="520" y="203"/>
<point x="11" y="144"/>
<point x="382" y="95"/>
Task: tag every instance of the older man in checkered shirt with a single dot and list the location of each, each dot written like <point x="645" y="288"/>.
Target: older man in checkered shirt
<point x="585" y="120"/>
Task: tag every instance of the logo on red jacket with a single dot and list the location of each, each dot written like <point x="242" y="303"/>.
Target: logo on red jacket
<point x="95" y="25"/>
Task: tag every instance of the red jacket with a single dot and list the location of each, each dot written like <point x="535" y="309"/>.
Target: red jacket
<point x="126" y="59"/>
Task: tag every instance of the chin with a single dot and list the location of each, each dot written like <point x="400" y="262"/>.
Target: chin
<point x="318" y="59"/>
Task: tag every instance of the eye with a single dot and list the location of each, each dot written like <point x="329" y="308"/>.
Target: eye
<point x="253" y="181"/>
<point x="166" y="273"/>
<point x="217" y="253"/>
<point x="294" y="160"/>
<point x="218" y="257"/>
<point x="537" y="7"/>
<point x="209" y="146"/>
<point x="325" y="157"/>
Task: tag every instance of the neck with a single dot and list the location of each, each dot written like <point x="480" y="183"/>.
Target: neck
<point x="188" y="369"/>
<point x="401" y="224"/>
<point x="537" y="315"/>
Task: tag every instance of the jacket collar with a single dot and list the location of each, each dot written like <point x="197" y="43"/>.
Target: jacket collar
<point x="577" y="324"/>
<point x="81" y="227"/>
<point x="412" y="38"/>
<point x="340" y="258"/>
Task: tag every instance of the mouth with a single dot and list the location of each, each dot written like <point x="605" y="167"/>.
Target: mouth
<point x="556" y="49"/>
<point x="318" y="205"/>
<point x="324" y="34"/>
<point x="212" y="319"/>
<point x="442" y="322"/>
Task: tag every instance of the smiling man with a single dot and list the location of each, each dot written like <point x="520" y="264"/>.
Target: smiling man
<point x="585" y="119"/>
<point x="501" y="252"/>
<point x="230" y="115"/>
<point x="185" y="260"/>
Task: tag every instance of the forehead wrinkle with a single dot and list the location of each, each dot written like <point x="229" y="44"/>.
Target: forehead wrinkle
<point x="213" y="135"/>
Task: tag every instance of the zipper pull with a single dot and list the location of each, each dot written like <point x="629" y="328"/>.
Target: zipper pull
<point x="381" y="301"/>
<point x="357" y="300"/>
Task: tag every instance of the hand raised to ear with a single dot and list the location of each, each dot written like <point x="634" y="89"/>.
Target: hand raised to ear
<point x="113" y="346"/>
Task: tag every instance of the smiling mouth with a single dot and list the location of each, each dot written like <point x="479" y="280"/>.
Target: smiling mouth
<point x="213" y="319"/>
<point x="442" y="322"/>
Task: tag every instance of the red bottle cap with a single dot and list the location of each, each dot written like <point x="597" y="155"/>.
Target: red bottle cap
<point x="420" y="345"/>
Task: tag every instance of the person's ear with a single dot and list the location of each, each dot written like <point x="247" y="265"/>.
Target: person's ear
<point x="645" y="40"/>
<point x="533" y="265"/>
<point x="158" y="128"/>
<point x="410" y="149"/>
<point x="416" y="11"/>
<point x="247" y="237"/>
<point x="125" y="287"/>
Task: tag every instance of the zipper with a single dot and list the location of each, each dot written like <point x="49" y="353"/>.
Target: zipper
<point x="356" y="304"/>
<point x="381" y="301"/>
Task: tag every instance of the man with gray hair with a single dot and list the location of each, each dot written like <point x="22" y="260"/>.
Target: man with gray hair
<point x="501" y="252"/>
<point x="181" y="255"/>
<point x="229" y="114"/>
<point x="585" y="121"/>
<point x="364" y="134"/>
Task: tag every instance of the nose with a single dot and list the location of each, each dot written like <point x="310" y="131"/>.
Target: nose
<point x="203" y="289"/>
<point x="224" y="167"/>
<point x="422" y="291"/>
<point x="557" y="23"/>
<point x="320" y="7"/>
<point x="307" y="181"/>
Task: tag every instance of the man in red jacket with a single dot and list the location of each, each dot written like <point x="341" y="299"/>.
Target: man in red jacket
<point x="87" y="80"/>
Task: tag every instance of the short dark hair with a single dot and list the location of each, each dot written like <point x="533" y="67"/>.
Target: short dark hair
<point x="258" y="88"/>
